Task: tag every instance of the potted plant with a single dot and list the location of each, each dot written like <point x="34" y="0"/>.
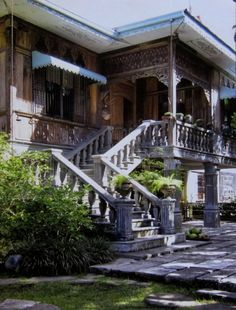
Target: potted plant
<point x="188" y="118"/>
<point x="122" y="184"/>
<point x="166" y="185"/>
<point x="180" y="117"/>
<point x="167" y="116"/>
<point x="199" y="122"/>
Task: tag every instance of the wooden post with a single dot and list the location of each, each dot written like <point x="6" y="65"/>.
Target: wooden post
<point x="172" y="89"/>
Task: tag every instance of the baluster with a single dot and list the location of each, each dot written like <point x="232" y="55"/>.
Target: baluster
<point x="137" y="145"/>
<point x="137" y="200"/>
<point x="57" y="174"/>
<point x="74" y="183"/>
<point x="83" y="157"/>
<point x="113" y="159"/>
<point x="102" y="209"/>
<point x="157" y="215"/>
<point x="101" y="146"/>
<point x="90" y="152"/>
<point x="91" y="200"/>
<point x="125" y="156"/>
<point x="131" y="151"/>
<point x="178" y="135"/>
<point x="95" y="147"/>
<point x="145" y="205"/>
<point x="65" y="177"/>
<point x="77" y="160"/>
<point x="118" y="159"/>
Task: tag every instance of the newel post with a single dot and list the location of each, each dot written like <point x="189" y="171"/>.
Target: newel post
<point x="168" y="216"/>
<point x="124" y="219"/>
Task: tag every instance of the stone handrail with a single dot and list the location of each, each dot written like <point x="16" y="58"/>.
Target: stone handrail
<point x="60" y="161"/>
<point x="100" y="142"/>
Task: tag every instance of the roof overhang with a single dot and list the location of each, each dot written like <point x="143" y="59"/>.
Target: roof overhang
<point x="70" y="26"/>
<point x="40" y="60"/>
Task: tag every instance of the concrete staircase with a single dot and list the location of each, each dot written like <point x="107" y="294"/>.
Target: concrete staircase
<point x="95" y="161"/>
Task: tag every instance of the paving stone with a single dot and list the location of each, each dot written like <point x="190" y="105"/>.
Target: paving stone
<point x="177" y="265"/>
<point x="216" y="277"/>
<point x="153" y="273"/>
<point x="229" y="283"/>
<point x="217" y="263"/>
<point x="206" y="253"/>
<point x="18" y="304"/>
<point x="90" y="279"/>
<point x="222" y="295"/>
<point x="34" y="280"/>
<point x="186" y="275"/>
<point x="170" y="301"/>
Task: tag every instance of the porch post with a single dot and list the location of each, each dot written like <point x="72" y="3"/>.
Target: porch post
<point x="172" y="88"/>
<point x="211" y="210"/>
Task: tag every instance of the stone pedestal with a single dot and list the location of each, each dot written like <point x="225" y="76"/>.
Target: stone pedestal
<point x="168" y="216"/>
<point x="211" y="210"/>
<point x="124" y="219"/>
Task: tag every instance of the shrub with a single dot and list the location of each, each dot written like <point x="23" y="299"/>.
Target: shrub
<point x="47" y="225"/>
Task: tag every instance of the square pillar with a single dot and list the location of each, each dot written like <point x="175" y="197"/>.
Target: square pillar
<point x="211" y="210"/>
<point x="124" y="208"/>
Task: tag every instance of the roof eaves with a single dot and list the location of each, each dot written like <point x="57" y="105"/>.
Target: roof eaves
<point x="73" y="18"/>
<point x="192" y="20"/>
<point x="152" y="23"/>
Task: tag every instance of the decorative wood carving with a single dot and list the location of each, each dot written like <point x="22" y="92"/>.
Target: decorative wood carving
<point x="192" y="68"/>
<point x="226" y="81"/>
<point x="160" y="73"/>
<point x="56" y="133"/>
<point x="130" y="61"/>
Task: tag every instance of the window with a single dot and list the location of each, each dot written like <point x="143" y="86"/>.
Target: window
<point x="60" y="94"/>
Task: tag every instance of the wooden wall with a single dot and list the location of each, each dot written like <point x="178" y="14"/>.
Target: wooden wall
<point x="28" y="124"/>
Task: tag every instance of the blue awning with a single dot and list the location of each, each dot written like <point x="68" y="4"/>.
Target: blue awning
<point x="40" y="60"/>
<point x="227" y="93"/>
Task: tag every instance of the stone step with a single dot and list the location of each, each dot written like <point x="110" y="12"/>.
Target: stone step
<point x="142" y="232"/>
<point x="137" y="214"/>
<point x="222" y="295"/>
<point x="163" y="250"/>
<point x="142" y="223"/>
<point x="89" y="172"/>
<point x="141" y="244"/>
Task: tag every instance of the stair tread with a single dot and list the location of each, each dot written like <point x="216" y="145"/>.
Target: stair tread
<point x="145" y="228"/>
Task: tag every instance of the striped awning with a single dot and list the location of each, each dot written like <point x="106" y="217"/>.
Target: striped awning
<point x="227" y="93"/>
<point x="40" y="60"/>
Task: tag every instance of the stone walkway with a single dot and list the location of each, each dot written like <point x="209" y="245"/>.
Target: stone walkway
<point x="208" y="264"/>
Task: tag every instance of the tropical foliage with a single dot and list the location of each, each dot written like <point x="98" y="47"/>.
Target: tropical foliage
<point x="45" y="224"/>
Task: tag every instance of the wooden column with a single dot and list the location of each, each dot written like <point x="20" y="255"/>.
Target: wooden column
<point x="172" y="87"/>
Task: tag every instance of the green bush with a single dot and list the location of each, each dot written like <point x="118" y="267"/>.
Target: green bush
<point x="47" y="225"/>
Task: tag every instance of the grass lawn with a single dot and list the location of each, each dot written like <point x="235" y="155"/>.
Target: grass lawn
<point x="99" y="296"/>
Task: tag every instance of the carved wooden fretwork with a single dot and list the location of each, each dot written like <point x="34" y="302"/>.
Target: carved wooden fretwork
<point x="192" y="68"/>
<point x="160" y="73"/>
<point x="205" y="85"/>
<point x="50" y="132"/>
<point x="226" y="81"/>
<point x="128" y="62"/>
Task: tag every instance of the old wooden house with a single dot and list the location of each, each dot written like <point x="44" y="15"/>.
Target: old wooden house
<point x="99" y="97"/>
